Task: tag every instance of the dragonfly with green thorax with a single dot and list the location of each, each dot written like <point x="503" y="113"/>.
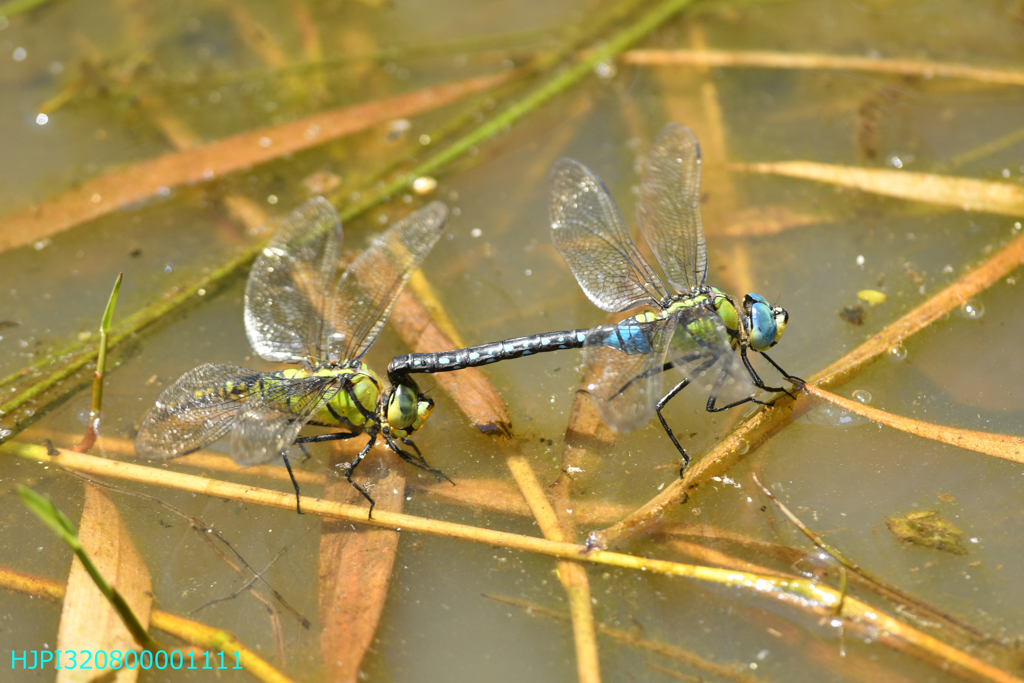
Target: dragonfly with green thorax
<point x="298" y="311"/>
<point x="688" y="325"/>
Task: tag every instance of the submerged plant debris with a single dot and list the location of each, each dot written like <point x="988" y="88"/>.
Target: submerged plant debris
<point x="927" y="528"/>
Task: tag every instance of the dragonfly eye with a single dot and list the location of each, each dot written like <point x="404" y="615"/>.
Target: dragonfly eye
<point x="402" y="407"/>
<point x="762" y="322"/>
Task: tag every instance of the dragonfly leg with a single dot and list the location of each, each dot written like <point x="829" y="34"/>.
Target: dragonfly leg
<point x="668" y="430"/>
<point x="351" y="467"/>
<point x="416" y="459"/>
<point x="791" y="378"/>
<point x="654" y="371"/>
<point x="333" y="436"/>
<point x="288" y="466"/>
<point x="305" y="453"/>
<point x="758" y="382"/>
<point x="712" y="408"/>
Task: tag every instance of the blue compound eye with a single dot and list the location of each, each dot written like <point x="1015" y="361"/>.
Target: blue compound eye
<point x="762" y="322"/>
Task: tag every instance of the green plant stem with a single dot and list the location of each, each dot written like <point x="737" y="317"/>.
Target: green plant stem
<point x="96" y="405"/>
<point x="61" y="525"/>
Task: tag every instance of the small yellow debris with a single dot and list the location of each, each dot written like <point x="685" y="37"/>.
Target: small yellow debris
<point x="151" y="379"/>
<point x="872" y="296"/>
<point x="424" y="185"/>
<point x="946" y="497"/>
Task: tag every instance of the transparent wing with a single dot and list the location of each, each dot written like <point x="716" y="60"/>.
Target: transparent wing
<point x="367" y="290"/>
<point x="668" y="211"/>
<point x="262" y="413"/>
<point x="701" y="350"/>
<point x="263" y="433"/>
<point x="625" y="362"/>
<point x="196" y="410"/>
<point x="591" y="236"/>
<point x="268" y="427"/>
<point x="286" y="296"/>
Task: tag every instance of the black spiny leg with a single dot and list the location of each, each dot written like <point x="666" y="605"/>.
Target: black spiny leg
<point x="417" y="459"/>
<point x="352" y="468"/>
<point x="288" y="465"/>
<point x="712" y="408"/>
<point x="333" y="436"/>
<point x="668" y="430"/>
<point x="789" y="377"/>
<point x="758" y="382"/>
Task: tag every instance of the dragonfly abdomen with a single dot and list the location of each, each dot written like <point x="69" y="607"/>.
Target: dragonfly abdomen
<point x="484" y="354"/>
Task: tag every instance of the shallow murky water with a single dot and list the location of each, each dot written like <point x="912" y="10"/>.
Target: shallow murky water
<point x="133" y="75"/>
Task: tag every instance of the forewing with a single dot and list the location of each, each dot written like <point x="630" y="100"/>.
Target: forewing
<point x="668" y="211"/>
<point x="367" y="290"/>
<point x="591" y="236"/>
<point x="285" y="298"/>
<point x="701" y="351"/>
<point x="196" y="410"/>
<point x="625" y="364"/>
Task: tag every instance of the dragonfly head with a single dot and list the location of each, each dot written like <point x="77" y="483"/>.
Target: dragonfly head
<point x="407" y="409"/>
<point x="765" y="323"/>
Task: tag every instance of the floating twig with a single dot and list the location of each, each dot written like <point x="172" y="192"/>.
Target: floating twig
<point x="920" y="68"/>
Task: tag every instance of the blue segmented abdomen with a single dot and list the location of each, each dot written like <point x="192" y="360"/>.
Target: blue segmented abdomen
<point x="628" y="336"/>
<point x="484" y="354"/>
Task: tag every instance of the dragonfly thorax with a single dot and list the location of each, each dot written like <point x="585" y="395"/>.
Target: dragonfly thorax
<point x="351" y="397"/>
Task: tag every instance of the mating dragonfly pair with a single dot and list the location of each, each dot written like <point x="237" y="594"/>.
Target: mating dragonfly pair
<point x="295" y="313"/>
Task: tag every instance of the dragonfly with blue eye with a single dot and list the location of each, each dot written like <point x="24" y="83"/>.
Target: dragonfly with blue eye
<point x="297" y="310"/>
<point x="689" y="325"/>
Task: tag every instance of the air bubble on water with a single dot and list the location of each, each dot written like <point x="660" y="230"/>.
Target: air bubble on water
<point x="814" y="563"/>
<point x="742" y="447"/>
<point x="972" y="309"/>
<point x="4" y="433"/>
<point x="897" y="353"/>
<point x="862" y="395"/>
<point x="605" y="71"/>
<point x="169" y="268"/>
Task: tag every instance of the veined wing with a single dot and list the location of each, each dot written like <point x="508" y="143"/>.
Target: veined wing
<point x="267" y="427"/>
<point x="701" y="350"/>
<point x="196" y="410"/>
<point x="286" y="296"/>
<point x="625" y="363"/>
<point x="366" y="292"/>
<point x="668" y="211"/>
<point x="591" y="236"/>
<point x="208" y="402"/>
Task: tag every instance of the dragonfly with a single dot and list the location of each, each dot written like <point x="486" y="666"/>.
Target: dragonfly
<point x="297" y="310"/>
<point x="686" y="324"/>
